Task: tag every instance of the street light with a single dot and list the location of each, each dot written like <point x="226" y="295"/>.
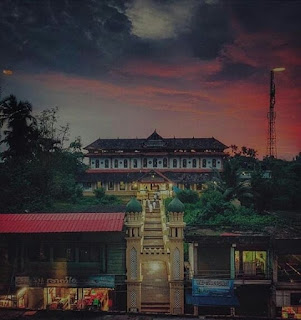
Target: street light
<point x="271" y="146"/>
<point x="6" y="72"/>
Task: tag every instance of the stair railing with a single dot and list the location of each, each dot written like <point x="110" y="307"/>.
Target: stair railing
<point x="143" y="222"/>
<point x="164" y="227"/>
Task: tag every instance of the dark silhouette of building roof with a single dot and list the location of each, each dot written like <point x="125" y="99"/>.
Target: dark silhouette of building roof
<point x="155" y="141"/>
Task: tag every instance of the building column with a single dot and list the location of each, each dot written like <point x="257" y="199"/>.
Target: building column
<point x="232" y="261"/>
<point x="176" y="247"/>
<point x="133" y="264"/>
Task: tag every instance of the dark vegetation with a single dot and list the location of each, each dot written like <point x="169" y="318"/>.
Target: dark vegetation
<point x="38" y="171"/>
<point x="249" y="194"/>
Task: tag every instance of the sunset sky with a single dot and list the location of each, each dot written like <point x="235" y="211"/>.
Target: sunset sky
<point x="184" y="67"/>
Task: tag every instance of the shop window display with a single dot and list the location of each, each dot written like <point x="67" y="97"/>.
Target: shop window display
<point x="250" y="263"/>
<point x="62" y="298"/>
<point x="97" y="299"/>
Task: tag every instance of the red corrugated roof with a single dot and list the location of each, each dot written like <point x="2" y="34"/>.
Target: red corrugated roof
<point x="60" y="222"/>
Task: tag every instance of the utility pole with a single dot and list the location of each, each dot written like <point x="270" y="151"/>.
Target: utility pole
<point x="271" y="143"/>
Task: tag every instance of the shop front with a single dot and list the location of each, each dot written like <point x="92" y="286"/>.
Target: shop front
<point x="212" y="296"/>
<point x="68" y="293"/>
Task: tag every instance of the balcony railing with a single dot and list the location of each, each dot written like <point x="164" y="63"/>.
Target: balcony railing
<point x="251" y="270"/>
<point x="212" y="274"/>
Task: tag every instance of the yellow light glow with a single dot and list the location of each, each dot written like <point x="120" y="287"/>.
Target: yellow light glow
<point x="278" y="69"/>
<point x="7" y="72"/>
<point x="155" y="266"/>
<point x="21" y="292"/>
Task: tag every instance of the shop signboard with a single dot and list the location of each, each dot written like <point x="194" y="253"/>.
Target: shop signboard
<point x="22" y="281"/>
<point x="5" y="302"/>
<point x="212" y="288"/>
<point x="101" y="281"/>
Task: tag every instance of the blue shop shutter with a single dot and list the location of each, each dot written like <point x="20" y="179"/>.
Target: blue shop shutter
<point x="212" y="301"/>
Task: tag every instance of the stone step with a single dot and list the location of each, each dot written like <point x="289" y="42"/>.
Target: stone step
<point x="150" y="234"/>
<point x="153" y="234"/>
<point x="152" y="218"/>
<point x="152" y="227"/>
<point x="153" y="214"/>
<point x="153" y="237"/>
<point x="151" y="221"/>
<point x="155" y="307"/>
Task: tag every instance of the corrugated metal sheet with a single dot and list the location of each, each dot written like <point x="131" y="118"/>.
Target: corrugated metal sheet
<point x="60" y="222"/>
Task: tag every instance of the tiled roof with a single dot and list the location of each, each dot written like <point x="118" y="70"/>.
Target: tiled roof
<point x="61" y="222"/>
<point x="165" y="144"/>
<point x="176" y="177"/>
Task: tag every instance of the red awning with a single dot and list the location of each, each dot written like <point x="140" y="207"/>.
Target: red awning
<point x="60" y="222"/>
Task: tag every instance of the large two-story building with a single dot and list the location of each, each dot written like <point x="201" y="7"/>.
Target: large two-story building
<point x="135" y="167"/>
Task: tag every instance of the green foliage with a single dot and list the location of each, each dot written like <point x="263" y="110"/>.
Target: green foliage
<point x="103" y="198"/>
<point x="88" y="204"/>
<point x="99" y="193"/>
<point x="214" y="210"/>
<point x="188" y="196"/>
<point x="37" y="169"/>
<point x="20" y="128"/>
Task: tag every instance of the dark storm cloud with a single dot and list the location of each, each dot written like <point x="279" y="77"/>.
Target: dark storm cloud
<point x="269" y="16"/>
<point x="210" y="30"/>
<point x="233" y="71"/>
<point x="171" y="29"/>
<point x="70" y="35"/>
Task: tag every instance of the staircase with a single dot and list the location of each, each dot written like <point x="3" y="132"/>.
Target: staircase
<point x="154" y="260"/>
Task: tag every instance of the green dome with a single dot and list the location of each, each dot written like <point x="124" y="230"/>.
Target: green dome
<point x="176" y="206"/>
<point x="133" y="206"/>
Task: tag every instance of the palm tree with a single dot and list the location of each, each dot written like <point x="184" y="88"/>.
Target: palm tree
<point x="19" y="126"/>
<point x="230" y="184"/>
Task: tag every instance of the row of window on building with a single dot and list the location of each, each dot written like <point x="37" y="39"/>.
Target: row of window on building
<point x="154" y="163"/>
<point x="133" y="186"/>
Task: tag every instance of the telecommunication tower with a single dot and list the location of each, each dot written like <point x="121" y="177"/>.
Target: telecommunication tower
<point x="271" y="143"/>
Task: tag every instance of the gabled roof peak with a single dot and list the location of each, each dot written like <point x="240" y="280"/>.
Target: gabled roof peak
<point x="155" y="136"/>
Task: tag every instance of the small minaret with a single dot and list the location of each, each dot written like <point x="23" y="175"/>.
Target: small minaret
<point x="176" y="245"/>
<point x="133" y="223"/>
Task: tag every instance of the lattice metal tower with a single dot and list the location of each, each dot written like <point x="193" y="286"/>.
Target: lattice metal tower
<point x="271" y="143"/>
<point x="271" y="146"/>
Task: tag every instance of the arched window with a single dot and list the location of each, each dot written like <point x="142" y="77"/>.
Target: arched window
<point x="204" y="163"/>
<point x="125" y="163"/>
<point x="144" y="163"/>
<point x="107" y="163"/>
<point x="164" y="162"/>
<point x="116" y="163"/>
<point x="155" y="163"/>
<point x="213" y="163"/>
<point x="184" y="163"/>
<point x="97" y="163"/>
<point x="174" y="163"/>
<point x="135" y="163"/>
<point x="193" y="163"/>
